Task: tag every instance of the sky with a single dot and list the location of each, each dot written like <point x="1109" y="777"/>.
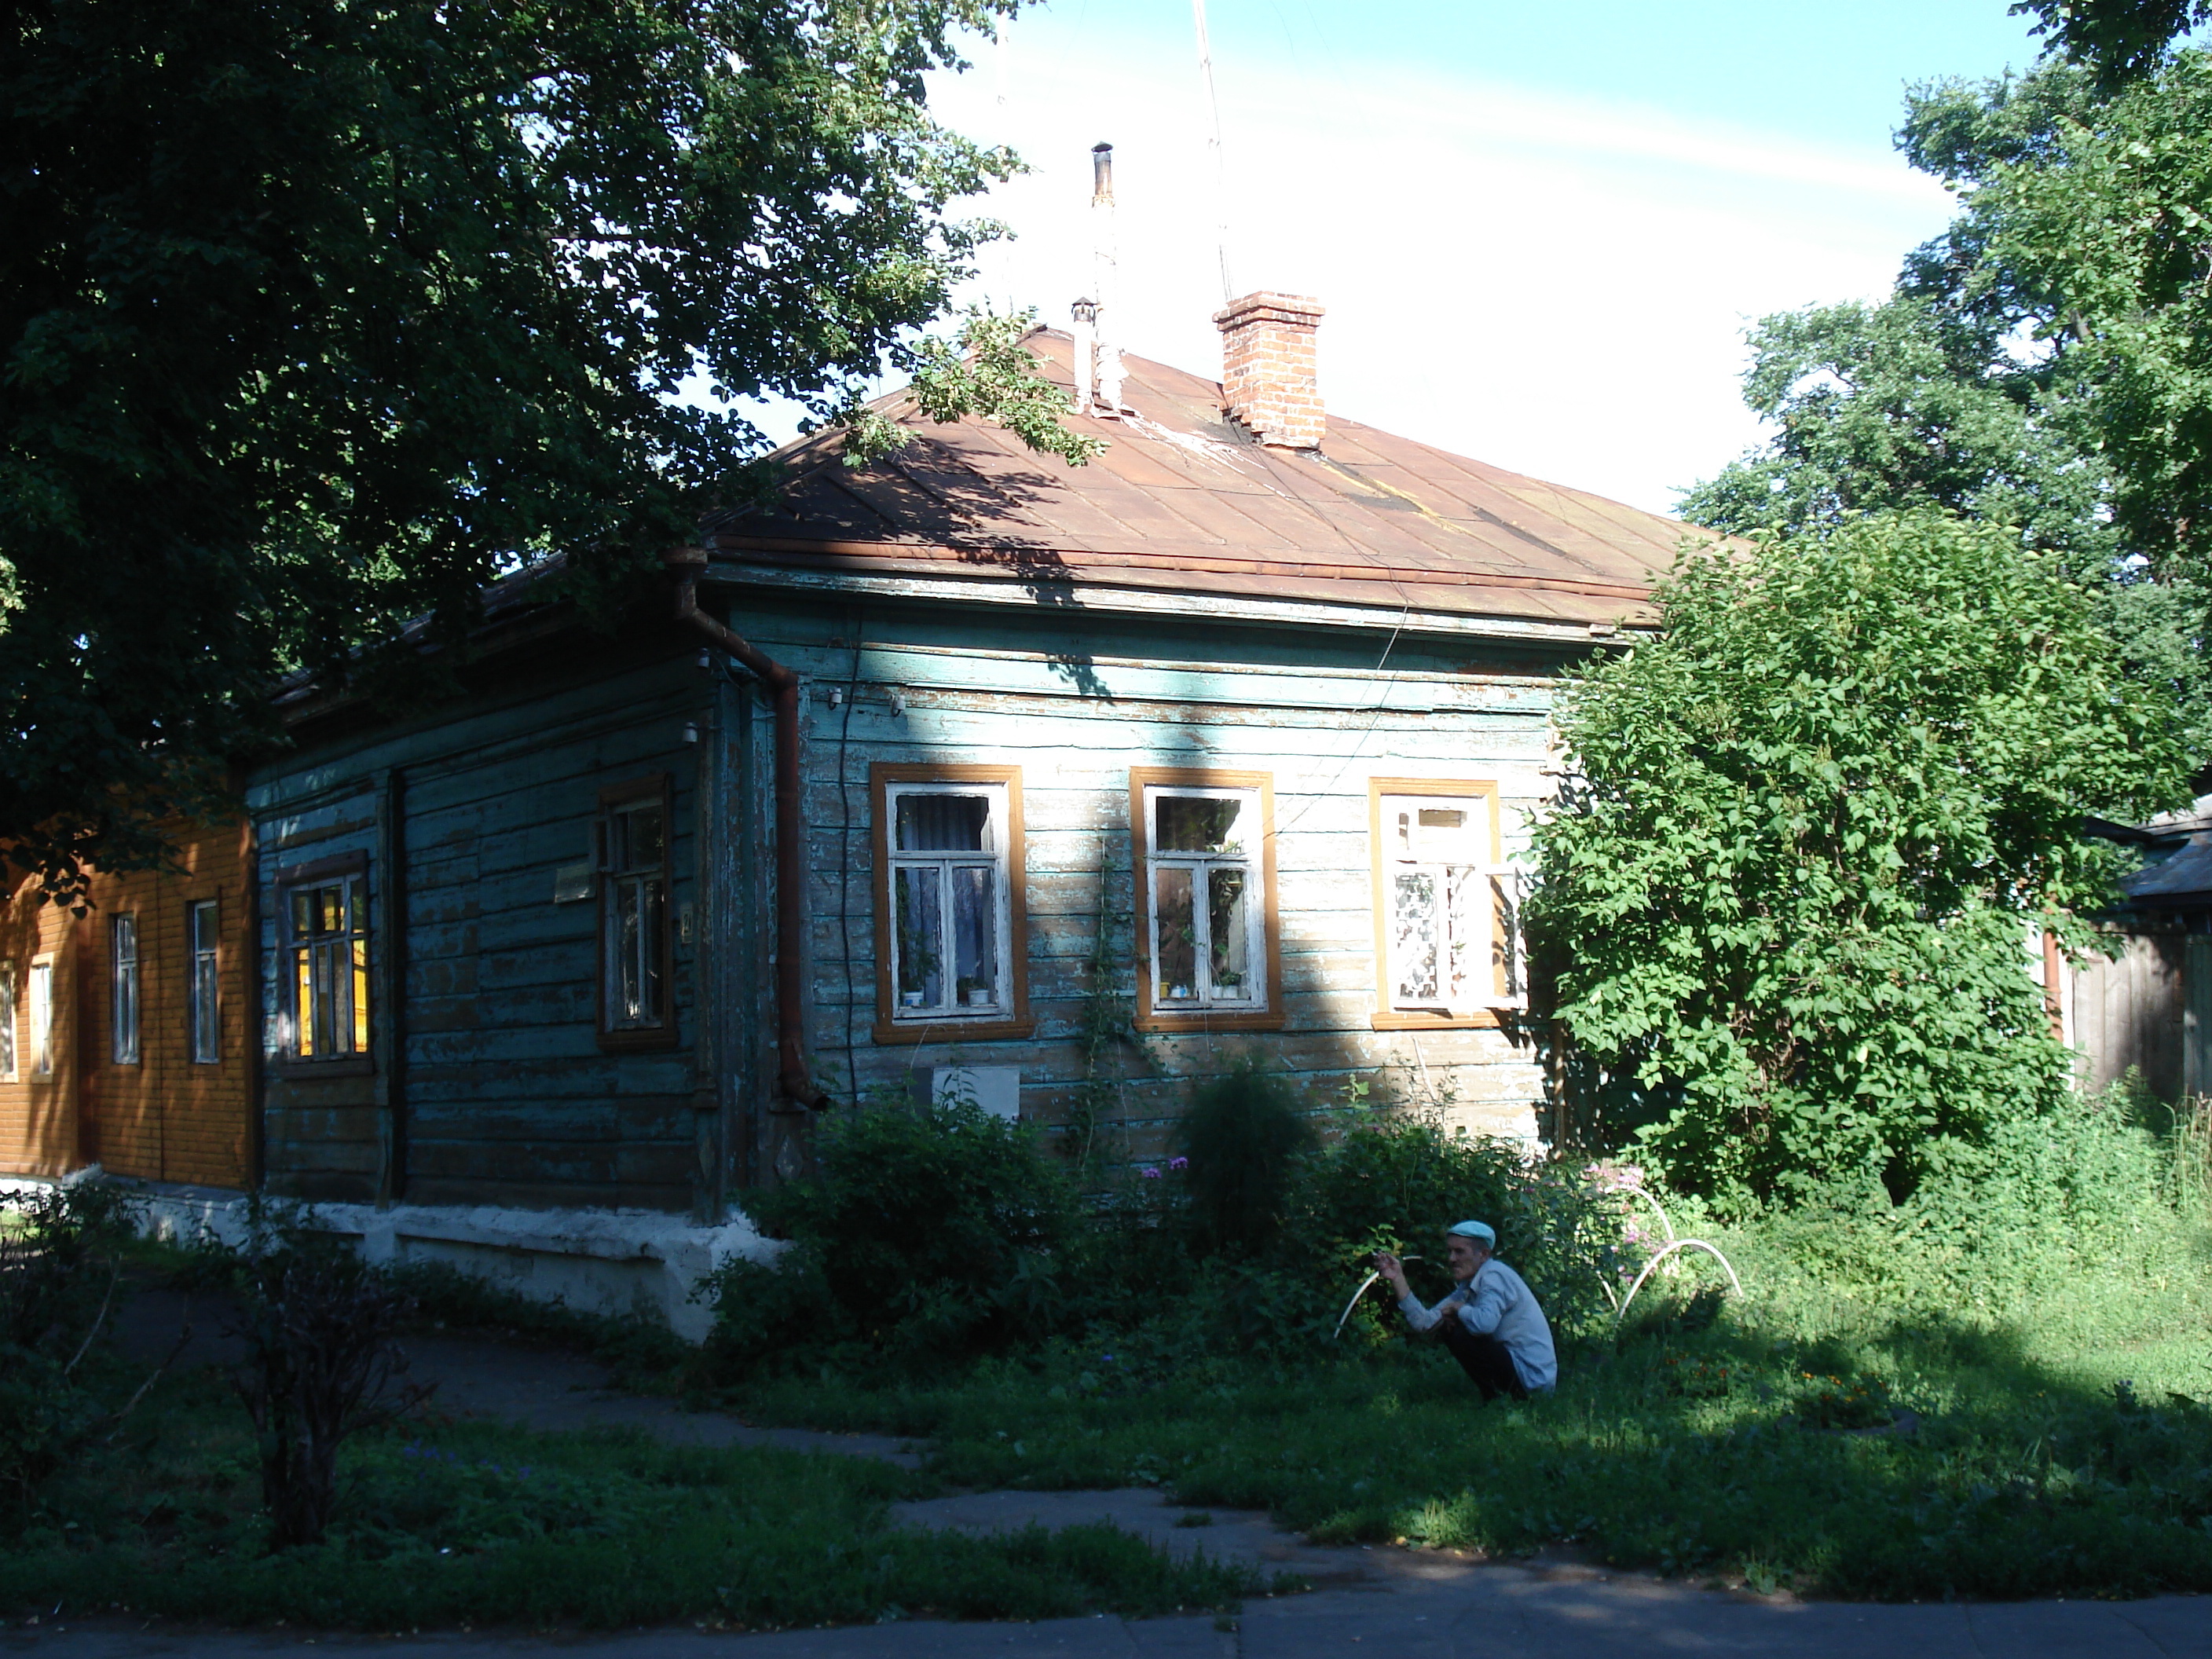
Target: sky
<point x="1540" y="232"/>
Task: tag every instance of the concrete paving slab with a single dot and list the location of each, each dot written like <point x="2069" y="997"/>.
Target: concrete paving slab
<point x="1228" y="1534"/>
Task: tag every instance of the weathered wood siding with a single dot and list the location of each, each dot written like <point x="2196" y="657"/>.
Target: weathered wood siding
<point x="1075" y="706"/>
<point x="2128" y="1011"/>
<point x="491" y="1087"/>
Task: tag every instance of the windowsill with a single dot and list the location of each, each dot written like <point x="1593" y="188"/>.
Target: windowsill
<point x="640" y="1039"/>
<point x="302" y="1070"/>
<point x="1212" y="1019"/>
<point x="1422" y="1019"/>
<point x="952" y="1027"/>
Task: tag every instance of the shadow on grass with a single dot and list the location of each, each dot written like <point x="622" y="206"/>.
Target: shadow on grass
<point x="1928" y="1457"/>
<point x="453" y="1523"/>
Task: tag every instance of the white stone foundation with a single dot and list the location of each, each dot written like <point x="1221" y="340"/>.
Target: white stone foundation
<point x="599" y="1262"/>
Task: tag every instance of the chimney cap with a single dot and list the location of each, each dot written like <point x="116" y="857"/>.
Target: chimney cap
<point x="1268" y="305"/>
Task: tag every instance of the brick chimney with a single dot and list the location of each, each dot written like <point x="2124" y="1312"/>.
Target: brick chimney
<point x="1268" y="368"/>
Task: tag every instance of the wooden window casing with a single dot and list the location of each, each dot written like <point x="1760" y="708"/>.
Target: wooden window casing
<point x="950" y="1017"/>
<point x="124" y="987"/>
<point x="7" y="1060"/>
<point x="324" y="931"/>
<point x="1391" y="1015"/>
<point x="202" y="983"/>
<point x="636" y="872"/>
<point x="42" y="1013"/>
<point x="1210" y="1009"/>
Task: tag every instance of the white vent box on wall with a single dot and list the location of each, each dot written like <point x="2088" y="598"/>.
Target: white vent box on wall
<point x="996" y="1089"/>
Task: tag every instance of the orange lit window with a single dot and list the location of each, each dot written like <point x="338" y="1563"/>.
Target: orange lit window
<point x="327" y="967"/>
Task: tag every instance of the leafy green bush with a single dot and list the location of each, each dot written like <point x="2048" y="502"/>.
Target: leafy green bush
<point x="929" y="1234"/>
<point x="58" y="1274"/>
<point x="1397" y="1182"/>
<point x="1787" y="895"/>
<point x="1243" y="1138"/>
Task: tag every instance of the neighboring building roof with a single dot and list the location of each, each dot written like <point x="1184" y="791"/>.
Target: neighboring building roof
<point x="1185" y="502"/>
<point x="2181" y="878"/>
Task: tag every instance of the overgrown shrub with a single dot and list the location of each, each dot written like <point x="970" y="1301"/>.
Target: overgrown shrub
<point x="321" y="1366"/>
<point x="1398" y="1181"/>
<point x="58" y="1278"/>
<point x="1243" y="1138"/>
<point x="928" y="1234"/>
<point x="1787" y="891"/>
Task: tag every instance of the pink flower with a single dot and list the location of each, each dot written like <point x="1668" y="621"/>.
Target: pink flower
<point x="1178" y="1164"/>
<point x="1149" y="1172"/>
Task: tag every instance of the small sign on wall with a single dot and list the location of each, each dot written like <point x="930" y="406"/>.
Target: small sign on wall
<point x="571" y="882"/>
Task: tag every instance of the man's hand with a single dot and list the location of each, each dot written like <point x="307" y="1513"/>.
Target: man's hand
<point x="1393" y="1270"/>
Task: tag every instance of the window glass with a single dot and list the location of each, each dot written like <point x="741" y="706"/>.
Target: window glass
<point x="123" y="982"/>
<point x="1207" y="933"/>
<point x="637" y="921"/>
<point x="42" y="1019"/>
<point x="202" y="1014"/>
<point x="944" y="823"/>
<point x="328" y="972"/>
<point x="7" y="1021"/>
<point x="948" y="901"/>
<point x="1197" y="823"/>
<point x="1440" y="899"/>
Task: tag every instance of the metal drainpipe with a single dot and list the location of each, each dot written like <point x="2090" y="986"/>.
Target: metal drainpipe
<point x="793" y="1078"/>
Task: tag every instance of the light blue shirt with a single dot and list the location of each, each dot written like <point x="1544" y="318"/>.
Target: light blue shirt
<point x="1497" y="1302"/>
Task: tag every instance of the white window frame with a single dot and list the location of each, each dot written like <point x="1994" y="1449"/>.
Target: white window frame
<point x="1202" y="996"/>
<point x="643" y="890"/>
<point x="203" y="982"/>
<point x="1499" y="975"/>
<point x="124" y="985"/>
<point x="42" y="1016"/>
<point x="338" y="967"/>
<point x="956" y="1007"/>
<point x="8" y="1057"/>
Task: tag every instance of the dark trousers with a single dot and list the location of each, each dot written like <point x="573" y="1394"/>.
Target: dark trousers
<point x="1487" y="1361"/>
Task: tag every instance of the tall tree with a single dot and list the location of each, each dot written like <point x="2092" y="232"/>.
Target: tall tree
<point x="2046" y="363"/>
<point x="315" y="317"/>
<point x="1810" y="823"/>
<point x="2121" y="39"/>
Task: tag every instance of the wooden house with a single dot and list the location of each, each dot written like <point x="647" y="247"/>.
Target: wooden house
<point x="2143" y="1002"/>
<point x="126" y="1033"/>
<point x="1063" y="787"/>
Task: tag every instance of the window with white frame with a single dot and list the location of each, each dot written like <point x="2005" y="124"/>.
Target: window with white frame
<point x="326" y="966"/>
<point x="123" y="988"/>
<point x="949" y="899"/>
<point x="7" y="1074"/>
<point x="635" y="875"/>
<point x="42" y="1019"/>
<point x="203" y="1013"/>
<point x="1443" y="905"/>
<point x="1205" y="907"/>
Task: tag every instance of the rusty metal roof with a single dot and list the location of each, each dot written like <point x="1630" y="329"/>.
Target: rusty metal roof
<point x="1184" y="502"/>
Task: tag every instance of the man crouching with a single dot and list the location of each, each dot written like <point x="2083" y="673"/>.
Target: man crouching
<point x="1490" y="1321"/>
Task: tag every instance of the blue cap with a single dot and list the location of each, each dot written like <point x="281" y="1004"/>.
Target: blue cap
<point x="1476" y="1229"/>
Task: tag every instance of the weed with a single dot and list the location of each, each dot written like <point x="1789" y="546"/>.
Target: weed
<point x="473" y="1523"/>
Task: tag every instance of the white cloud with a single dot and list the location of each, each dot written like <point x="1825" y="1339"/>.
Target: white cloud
<point x="1556" y="287"/>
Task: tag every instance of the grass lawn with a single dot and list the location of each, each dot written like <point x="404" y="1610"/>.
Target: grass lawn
<point x="469" y="1524"/>
<point x="2040" y="1449"/>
